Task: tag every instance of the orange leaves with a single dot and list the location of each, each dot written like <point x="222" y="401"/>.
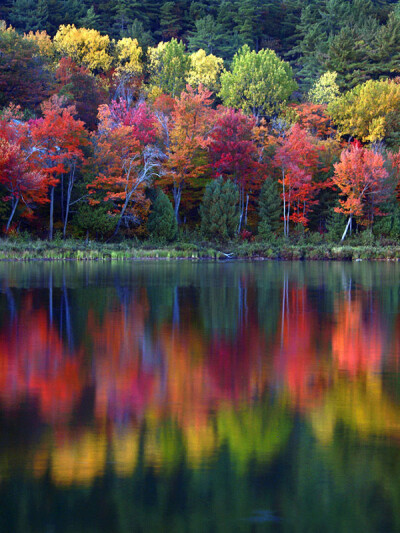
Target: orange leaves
<point x="362" y="180"/>
<point x="314" y="119"/>
<point x="186" y="139"/>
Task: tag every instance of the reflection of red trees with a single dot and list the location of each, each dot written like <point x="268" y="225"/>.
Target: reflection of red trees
<point x="34" y="364"/>
<point x="237" y="367"/>
<point x="357" y="344"/>
<point x="298" y="361"/>
<point x="124" y="387"/>
<point x="178" y="371"/>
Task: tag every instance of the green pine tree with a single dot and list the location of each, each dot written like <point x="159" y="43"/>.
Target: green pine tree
<point x="389" y="224"/>
<point x="269" y="209"/>
<point x="137" y="31"/>
<point x="208" y="35"/>
<point x="94" y="220"/>
<point x="219" y="210"/>
<point x="23" y="15"/>
<point x="170" y="20"/>
<point x="335" y="224"/>
<point x="90" y="19"/>
<point x="162" y="222"/>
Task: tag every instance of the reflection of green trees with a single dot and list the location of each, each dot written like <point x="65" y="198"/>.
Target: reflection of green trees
<point x="255" y="433"/>
<point x="347" y="486"/>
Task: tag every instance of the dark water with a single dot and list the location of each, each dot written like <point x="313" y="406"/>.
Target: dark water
<point x="199" y="397"/>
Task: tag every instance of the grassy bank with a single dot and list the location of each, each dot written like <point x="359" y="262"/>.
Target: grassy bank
<point x="25" y="250"/>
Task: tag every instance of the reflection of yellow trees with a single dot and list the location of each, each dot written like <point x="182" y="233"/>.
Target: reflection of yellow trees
<point x="125" y="446"/>
<point x="73" y="460"/>
<point x="360" y="405"/>
<point x="249" y="434"/>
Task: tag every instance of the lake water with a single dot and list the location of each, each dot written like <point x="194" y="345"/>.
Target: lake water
<point x="199" y="397"/>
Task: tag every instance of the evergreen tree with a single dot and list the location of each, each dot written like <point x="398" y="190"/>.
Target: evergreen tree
<point x="137" y="31"/>
<point x="335" y="225"/>
<point x="269" y="209"/>
<point x="42" y="15"/>
<point x="24" y="15"/>
<point x="389" y="224"/>
<point x="208" y="35"/>
<point x="170" y="20"/>
<point x="122" y="17"/>
<point x="162" y="222"/>
<point x="250" y="25"/>
<point x="94" y="220"/>
<point x="219" y="210"/>
<point x="90" y="20"/>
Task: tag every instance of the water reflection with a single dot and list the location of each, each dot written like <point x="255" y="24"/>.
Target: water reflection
<point x="199" y="397"/>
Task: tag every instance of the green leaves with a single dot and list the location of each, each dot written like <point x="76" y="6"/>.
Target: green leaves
<point x="258" y="83"/>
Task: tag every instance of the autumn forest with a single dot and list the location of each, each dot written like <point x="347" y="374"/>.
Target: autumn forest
<point x="217" y="121"/>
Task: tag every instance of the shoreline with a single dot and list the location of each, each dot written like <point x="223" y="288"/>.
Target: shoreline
<point x="23" y="251"/>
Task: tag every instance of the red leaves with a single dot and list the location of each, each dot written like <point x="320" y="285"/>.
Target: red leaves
<point x="125" y="159"/>
<point x="313" y="118"/>
<point x="232" y="149"/>
<point x="297" y="157"/>
<point x="25" y="185"/>
<point x="57" y="138"/>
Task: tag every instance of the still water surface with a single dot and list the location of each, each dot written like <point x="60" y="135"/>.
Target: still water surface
<point x="199" y="397"/>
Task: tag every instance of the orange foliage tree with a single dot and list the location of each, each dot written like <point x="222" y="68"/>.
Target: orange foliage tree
<point x="362" y="180"/>
<point x="186" y="137"/>
<point x="314" y="119"/>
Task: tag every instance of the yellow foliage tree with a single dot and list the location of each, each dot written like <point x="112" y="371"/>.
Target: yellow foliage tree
<point x="205" y="70"/>
<point x="369" y="112"/>
<point x="128" y="55"/>
<point x="44" y="43"/>
<point x="86" y="47"/>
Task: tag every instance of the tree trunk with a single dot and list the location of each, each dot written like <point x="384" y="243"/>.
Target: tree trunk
<point x="284" y="203"/>
<point x="241" y="208"/>
<point x="348" y="225"/>
<point x="69" y="192"/>
<point x="122" y="214"/>
<point x="177" y="193"/>
<point x="247" y="206"/>
<point x="51" y="213"/>
<point x="14" y="208"/>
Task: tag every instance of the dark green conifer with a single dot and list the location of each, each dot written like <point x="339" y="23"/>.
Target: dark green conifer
<point x="219" y="210"/>
<point x="269" y="209"/>
<point x="162" y="222"/>
<point x="90" y="19"/>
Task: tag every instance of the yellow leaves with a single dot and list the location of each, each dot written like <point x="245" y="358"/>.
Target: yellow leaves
<point x="360" y="405"/>
<point x="128" y="53"/>
<point x="44" y="43"/>
<point x="205" y="70"/>
<point x="86" y="47"/>
<point x="369" y="111"/>
<point x="377" y="129"/>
